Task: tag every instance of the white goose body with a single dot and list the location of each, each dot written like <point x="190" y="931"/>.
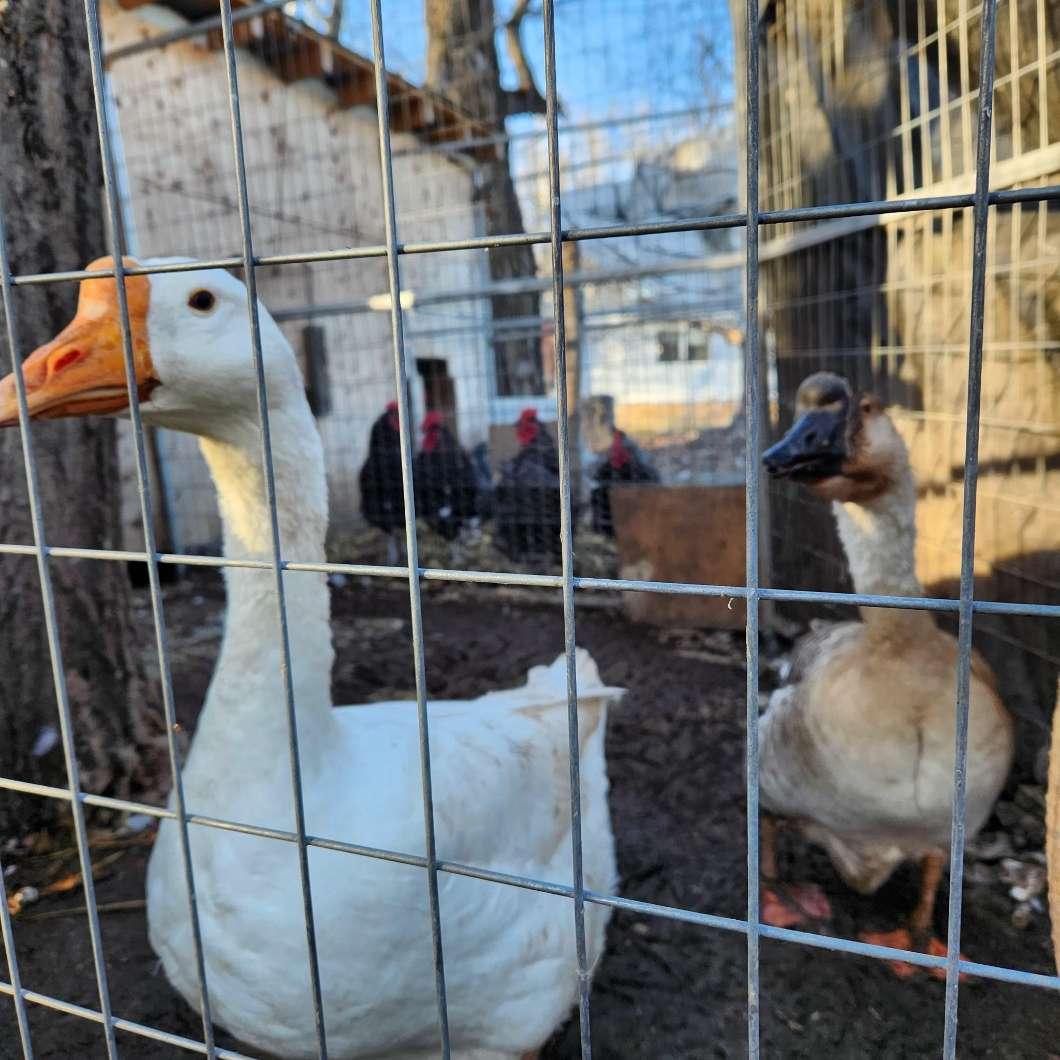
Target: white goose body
<point x="500" y="764"/>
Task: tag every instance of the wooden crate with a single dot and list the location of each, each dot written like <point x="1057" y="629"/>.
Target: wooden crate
<point x="681" y="534"/>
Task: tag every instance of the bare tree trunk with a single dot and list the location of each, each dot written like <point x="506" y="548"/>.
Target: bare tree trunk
<point x="335" y="19"/>
<point x="51" y="179"/>
<point x="462" y="64"/>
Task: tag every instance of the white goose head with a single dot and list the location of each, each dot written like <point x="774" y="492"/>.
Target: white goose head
<point x="192" y="348"/>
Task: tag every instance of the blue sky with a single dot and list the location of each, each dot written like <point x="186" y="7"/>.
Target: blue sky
<point x="613" y="57"/>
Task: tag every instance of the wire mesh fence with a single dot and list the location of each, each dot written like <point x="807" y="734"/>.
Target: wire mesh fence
<point x="304" y="261"/>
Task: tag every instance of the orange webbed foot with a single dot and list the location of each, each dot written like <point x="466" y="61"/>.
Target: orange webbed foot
<point x="902" y="939"/>
<point x="790" y="904"/>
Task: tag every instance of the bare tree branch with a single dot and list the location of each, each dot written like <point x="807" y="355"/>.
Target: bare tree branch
<point x="526" y="99"/>
<point x="462" y="64"/>
<point x="335" y="19"/>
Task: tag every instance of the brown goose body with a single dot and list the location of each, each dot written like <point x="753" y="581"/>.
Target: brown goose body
<point x="859" y="746"/>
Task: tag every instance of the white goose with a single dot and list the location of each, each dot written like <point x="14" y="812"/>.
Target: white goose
<point x="859" y="746"/>
<point x="500" y="768"/>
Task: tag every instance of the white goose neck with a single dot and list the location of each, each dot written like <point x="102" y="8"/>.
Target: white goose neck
<point x="879" y="538"/>
<point x="247" y="694"/>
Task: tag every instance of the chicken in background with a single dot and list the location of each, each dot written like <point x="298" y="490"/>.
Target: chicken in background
<point x="480" y="461"/>
<point x="623" y="462"/>
<point x="382" y="494"/>
<point x="444" y="478"/>
<point x="527" y="501"/>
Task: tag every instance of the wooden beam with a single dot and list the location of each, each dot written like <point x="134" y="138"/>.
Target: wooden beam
<point x="297" y="60"/>
<point x="355" y="88"/>
<point x="406" y="111"/>
<point x="244" y="34"/>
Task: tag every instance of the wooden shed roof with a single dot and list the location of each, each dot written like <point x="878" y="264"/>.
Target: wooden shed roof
<point x="295" y="51"/>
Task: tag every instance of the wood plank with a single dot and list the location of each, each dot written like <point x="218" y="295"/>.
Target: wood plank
<point x="355" y="90"/>
<point x="406" y="112"/>
<point x="298" y="60"/>
<point x="681" y="534"/>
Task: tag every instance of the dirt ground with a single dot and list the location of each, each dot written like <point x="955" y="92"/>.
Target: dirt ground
<point x="664" y="989"/>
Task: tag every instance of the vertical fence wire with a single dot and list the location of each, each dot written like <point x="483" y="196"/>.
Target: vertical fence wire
<point x="980" y="218"/>
<point x="386" y="164"/>
<point x="51" y="625"/>
<point x="143" y="484"/>
<point x="268" y="472"/>
<point x="752" y="398"/>
<point x="7" y="935"/>
<point x="566" y="525"/>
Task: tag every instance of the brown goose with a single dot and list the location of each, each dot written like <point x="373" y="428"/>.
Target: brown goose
<point x="858" y="747"/>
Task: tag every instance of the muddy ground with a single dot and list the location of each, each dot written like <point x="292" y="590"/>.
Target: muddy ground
<point x="664" y="989"/>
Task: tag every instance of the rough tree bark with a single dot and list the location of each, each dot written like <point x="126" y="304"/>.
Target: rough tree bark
<point x="462" y="64"/>
<point x="51" y="179"/>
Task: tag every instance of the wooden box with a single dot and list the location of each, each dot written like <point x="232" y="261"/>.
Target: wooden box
<point x="681" y="534"/>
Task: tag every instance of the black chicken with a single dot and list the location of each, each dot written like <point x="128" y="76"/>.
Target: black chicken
<point x="527" y="500"/>
<point x="382" y="497"/>
<point x="623" y="462"/>
<point x="445" y="480"/>
<point x="480" y="461"/>
<point x="382" y="494"/>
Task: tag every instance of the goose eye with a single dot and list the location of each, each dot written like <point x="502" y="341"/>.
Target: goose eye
<point x="202" y="301"/>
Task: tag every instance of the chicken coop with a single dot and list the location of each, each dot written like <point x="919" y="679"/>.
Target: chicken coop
<point x="555" y="275"/>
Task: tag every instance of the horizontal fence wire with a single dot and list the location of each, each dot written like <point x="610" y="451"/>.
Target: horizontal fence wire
<point x="516" y="579"/>
<point x="1007" y="197"/>
<point x="1013" y="975"/>
<point x="966" y="606"/>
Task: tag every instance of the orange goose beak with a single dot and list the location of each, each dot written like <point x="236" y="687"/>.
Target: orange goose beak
<point x="81" y="371"/>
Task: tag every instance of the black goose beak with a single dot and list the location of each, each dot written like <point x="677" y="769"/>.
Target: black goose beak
<point x="815" y="447"/>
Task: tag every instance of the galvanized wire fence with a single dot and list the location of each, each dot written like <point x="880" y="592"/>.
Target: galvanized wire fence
<point x="753" y="591"/>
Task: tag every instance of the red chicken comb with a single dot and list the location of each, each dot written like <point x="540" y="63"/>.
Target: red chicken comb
<point x="431" y="421"/>
<point x="527" y="415"/>
<point x="391" y="406"/>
